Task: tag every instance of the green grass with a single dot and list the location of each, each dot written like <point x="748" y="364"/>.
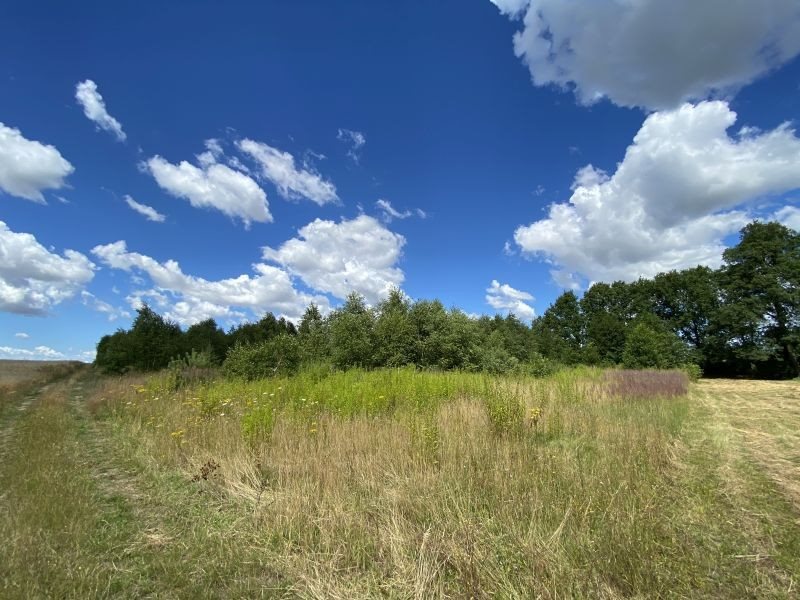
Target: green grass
<point x="399" y="484"/>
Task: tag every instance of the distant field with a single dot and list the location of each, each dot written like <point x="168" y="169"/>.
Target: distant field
<point x="13" y="372"/>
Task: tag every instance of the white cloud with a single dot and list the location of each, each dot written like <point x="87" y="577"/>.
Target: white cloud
<point x="189" y="299"/>
<point x="22" y="335"/>
<point x="38" y="353"/>
<point x="389" y="212"/>
<point x="337" y="258"/>
<point x="147" y="211"/>
<point x="95" y="108"/>
<point x="33" y="279"/>
<point x="653" y="53"/>
<point x="789" y="216"/>
<point x="355" y="140"/>
<point x="279" y="168"/>
<point x="213" y="186"/>
<point x="27" y="167"/>
<point x="512" y="8"/>
<point x="212" y="154"/>
<point x="506" y="298"/>
<point x="100" y="306"/>
<point x="677" y="193"/>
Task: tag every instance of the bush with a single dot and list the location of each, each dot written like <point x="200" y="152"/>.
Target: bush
<point x="277" y="356"/>
<point x="693" y="371"/>
<point x="497" y="360"/>
<point x="648" y="347"/>
<point x="538" y="366"/>
<point x="191" y="368"/>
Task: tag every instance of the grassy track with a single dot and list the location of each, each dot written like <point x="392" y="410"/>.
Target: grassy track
<point x="76" y="522"/>
<point x="599" y="497"/>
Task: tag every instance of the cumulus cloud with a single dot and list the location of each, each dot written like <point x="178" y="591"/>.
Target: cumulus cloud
<point x="506" y="298"/>
<point x="358" y="255"/>
<point x="292" y="182"/>
<point x="150" y="213"/>
<point x="212" y="185"/>
<point x="355" y="141"/>
<point x="389" y="212"/>
<point x="38" y="353"/>
<point x="95" y="108"/>
<point x="189" y="299"/>
<point x="27" y="167"/>
<point x="653" y="53"/>
<point x="22" y="335"/>
<point x="677" y="193"/>
<point x="34" y="279"/>
<point x="789" y="216"/>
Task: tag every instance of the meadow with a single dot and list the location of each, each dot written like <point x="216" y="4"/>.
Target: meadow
<point x="404" y="484"/>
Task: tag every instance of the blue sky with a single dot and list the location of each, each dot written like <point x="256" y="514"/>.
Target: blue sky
<point x="291" y="152"/>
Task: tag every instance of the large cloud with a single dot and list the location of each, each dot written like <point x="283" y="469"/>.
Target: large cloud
<point x="358" y="255"/>
<point x="653" y="53"/>
<point x="95" y="108"/>
<point x="670" y="202"/>
<point x="292" y="182"/>
<point x="189" y="299"/>
<point x="212" y="185"/>
<point x="33" y="279"/>
<point x="27" y="167"/>
<point x="506" y="298"/>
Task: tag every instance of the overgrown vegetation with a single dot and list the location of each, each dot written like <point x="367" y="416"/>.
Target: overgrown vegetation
<point x="363" y="483"/>
<point x="741" y="320"/>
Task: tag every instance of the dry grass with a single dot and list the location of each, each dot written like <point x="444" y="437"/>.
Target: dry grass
<point x="14" y="372"/>
<point x="765" y="415"/>
<point x="405" y="485"/>
<point x="559" y="495"/>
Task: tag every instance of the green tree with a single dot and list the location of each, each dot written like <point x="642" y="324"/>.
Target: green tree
<point x="560" y="330"/>
<point x="115" y="352"/>
<point x="351" y="334"/>
<point x="312" y="334"/>
<point x="760" y="281"/>
<point x="430" y="322"/>
<point x="394" y="332"/>
<point x="153" y="340"/>
<point x="651" y="346"/>
<point x="206" y="336"/>
<point x="688" y="302"/>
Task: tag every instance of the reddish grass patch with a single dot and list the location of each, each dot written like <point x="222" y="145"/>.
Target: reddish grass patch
<point x="631" y="384"/>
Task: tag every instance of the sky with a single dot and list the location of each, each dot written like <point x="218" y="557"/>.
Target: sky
<point x="227" y="159"/>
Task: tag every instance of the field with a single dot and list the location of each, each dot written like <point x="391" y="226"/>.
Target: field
<point x="401" y="484"/>
<point x="14" y="372"/>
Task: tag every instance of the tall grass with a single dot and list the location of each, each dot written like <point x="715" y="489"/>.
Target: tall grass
<point x="427" y="484"/>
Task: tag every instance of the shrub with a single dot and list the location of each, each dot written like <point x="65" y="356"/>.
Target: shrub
<point x="277" y="356"/>
<point x="648" y="347"/>
<point x="693" y="371"/>
<point x="538" y="366"/>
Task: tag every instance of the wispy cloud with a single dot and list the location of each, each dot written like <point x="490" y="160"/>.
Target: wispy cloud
<point x="95" y="108"/>
<point x="147" y="211"/>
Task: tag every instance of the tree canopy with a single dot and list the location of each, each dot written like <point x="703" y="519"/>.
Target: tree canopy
<point x="742" y="319"/>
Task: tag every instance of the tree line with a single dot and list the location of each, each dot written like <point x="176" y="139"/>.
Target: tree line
<point x="742" y="319"/>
